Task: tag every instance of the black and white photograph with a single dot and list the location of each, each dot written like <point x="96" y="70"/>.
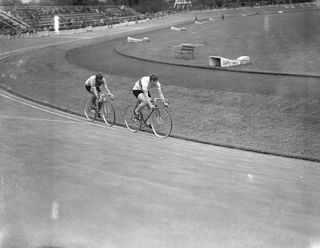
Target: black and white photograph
<point x="159" y="124"/>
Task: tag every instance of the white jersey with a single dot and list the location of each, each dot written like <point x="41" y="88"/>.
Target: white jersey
<point x="145" y="84"/>
<point x="91" y="81"/>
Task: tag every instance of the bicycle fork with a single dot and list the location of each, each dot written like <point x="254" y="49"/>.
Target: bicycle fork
<point x="158" y="117"/>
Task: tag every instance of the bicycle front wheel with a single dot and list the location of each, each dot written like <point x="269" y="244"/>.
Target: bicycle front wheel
<point x="132" y="124"/>
<point x="108" y="113"/>
<point x="161" y="123"/>
<point x="88" y="111"/>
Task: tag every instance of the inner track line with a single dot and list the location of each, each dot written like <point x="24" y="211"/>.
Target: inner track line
<point x="7" y="117"/>
<point x="12" y="52"/>
<point x="44" y="109"/>
<point x="80" y="120"/>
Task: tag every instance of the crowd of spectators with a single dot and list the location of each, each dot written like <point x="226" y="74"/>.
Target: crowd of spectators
<point x="40" y="19"/>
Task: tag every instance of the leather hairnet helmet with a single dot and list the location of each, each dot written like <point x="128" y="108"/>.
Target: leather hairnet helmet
<point x="154" y="76"/>
<point x="99" y="76"/>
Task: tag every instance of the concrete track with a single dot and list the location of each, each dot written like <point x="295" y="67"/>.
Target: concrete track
<point x="66" y="182"/>
<point x="69" y="183"/>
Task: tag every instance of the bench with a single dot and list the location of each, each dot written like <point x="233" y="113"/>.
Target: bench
<point x="185" y="51"/>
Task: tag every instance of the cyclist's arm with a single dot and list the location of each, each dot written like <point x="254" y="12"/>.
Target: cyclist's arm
<point x="165" y="103"/>
<point x="105" y="85"/>
<point x="160" y="91"/>
<point x="95" y="92"/>
<point x="146" y="94"/>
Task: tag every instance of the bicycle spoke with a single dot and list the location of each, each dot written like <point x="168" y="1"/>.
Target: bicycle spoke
<point x="108" y="113"/>
<point x="161" y="123"/>
<point x="88" y="111"/>
<point x="131" y="122"/>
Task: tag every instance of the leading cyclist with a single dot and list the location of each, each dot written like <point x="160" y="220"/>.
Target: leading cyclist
<point x="142" y="93"/>
<point x="93" y="85"/>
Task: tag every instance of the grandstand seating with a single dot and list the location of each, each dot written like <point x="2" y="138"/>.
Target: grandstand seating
<point x="11" y="27"/>
<point x="71" y="17"/>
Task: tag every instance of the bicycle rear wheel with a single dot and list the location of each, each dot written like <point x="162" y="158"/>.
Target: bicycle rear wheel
<point x="132" y="124"/>
<point x="88" y="111"/>
<point x="161" y="123"/>
<point x="108" y="113"/>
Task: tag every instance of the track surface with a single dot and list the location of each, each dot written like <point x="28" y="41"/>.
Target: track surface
<point x="69" y="183"/>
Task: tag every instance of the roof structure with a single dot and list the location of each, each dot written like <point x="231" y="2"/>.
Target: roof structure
<point x="181" y="4"/>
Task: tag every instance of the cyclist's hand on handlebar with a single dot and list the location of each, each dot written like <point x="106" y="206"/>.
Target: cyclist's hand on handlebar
<point x="111" y="96"/>
<point x="165" y="102"/>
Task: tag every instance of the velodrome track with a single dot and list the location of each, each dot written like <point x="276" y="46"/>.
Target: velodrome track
<point x="65" y="184"/>
<point x="69" y="183"/>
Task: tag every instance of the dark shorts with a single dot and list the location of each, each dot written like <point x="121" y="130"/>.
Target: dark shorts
<point x="136" y="93"/>
<point x="88" y="88"/>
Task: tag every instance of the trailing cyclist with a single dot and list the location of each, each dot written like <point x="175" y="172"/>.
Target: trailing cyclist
<point x="142" y="93"/>
<point x="93" y="85"/>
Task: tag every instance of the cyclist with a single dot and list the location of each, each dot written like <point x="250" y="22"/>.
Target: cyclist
<point x="92" y="85"/>
<point x="142" y="93"/>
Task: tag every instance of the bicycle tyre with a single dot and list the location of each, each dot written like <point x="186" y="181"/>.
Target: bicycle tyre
<point x="91" y="116"/>
<point x="108" y="113"/>
<point x="132" y="124"/>
<point x="161" y="123"/>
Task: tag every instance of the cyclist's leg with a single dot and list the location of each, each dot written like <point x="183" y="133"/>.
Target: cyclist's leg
<point x="148" y="122"/>
<point x="94" y="91"/>
<point x="93" y="101"/>
<point x="93" y="98"/>
<point x="100" y="103"/>
<point x="143" y="101"/>
<point x="148" y="107"/>
<point x="139" y="95"/>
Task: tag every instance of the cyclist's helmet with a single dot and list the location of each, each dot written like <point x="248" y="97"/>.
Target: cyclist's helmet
<point x="154" y="76"/>
<point x="99" y="76"/>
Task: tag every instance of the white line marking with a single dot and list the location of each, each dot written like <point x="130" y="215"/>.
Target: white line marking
<point x="80" y="120"/>
<point x="38" y="119"/>
<point x="37" y="47"/>
<point x="6" y="56"/>
<point x="39" y="108"/>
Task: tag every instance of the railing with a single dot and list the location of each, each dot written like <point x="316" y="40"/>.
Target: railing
<point x="13" y="19"/>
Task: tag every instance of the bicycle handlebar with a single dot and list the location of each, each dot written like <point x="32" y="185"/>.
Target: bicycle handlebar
<point x="103" y="95"/>
<point x="164" y="100"/>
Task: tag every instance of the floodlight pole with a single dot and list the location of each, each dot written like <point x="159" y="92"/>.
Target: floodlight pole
<point x="56" y="24"/>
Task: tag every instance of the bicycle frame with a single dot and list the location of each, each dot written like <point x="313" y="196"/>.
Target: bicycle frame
<point x="160" y="119"/>
<point x="104" y="97"/>
<point x="143" y="121"/>
<point x="108" y="116"/>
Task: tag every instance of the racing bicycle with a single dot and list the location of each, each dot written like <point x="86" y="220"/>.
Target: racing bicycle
<point x="161" y="122"/>
<point x="106" y="112"/>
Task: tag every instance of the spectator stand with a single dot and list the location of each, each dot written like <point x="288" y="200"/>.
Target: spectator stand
<point x="40" y="18"/>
